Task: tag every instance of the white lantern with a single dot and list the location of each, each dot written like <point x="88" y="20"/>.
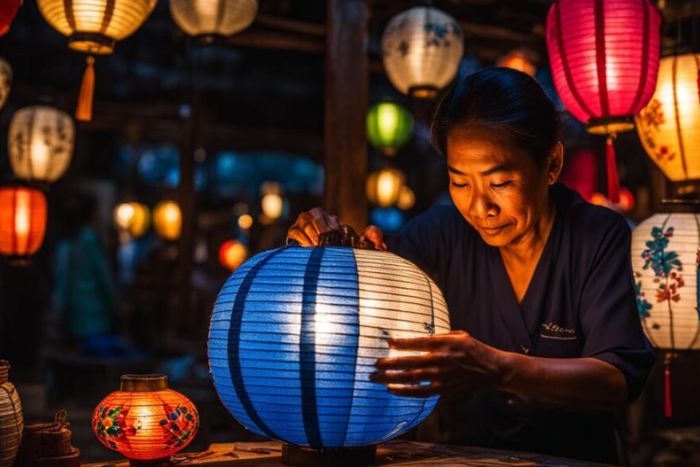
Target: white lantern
<point x="213" y="17"/>
<point x="665" y="249"/>
<point x="40" y="143"/>
<point x="421" y="48"/>
<point x="5" y="81"/>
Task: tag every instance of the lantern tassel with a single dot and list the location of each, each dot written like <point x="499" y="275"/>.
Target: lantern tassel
<point x="668" y="408"/>
<point x="83" y="111"/>
<point x="613" y="180"/>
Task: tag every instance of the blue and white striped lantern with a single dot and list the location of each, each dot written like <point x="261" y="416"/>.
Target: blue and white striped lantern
<point x="296" y="332"/>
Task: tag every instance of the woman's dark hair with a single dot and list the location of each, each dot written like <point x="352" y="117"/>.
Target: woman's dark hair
<point x="500" y="99"/>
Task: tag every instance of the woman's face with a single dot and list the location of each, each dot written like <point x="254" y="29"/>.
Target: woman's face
<point x="498" y="188"/>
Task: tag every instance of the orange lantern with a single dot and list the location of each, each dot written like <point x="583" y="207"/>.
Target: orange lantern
<point x="232" y="253"/>
<point x="144" y="420"/>
<point x="22" y="220"/>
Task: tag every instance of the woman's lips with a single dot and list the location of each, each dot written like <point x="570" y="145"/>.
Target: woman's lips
<point x="493" y="230"/>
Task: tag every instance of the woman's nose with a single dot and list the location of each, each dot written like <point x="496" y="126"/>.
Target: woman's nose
<point x="482" y="205"/>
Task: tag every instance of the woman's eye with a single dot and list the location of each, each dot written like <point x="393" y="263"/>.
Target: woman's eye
<point x="500" y="185"/>
<point x="459" y="185"/>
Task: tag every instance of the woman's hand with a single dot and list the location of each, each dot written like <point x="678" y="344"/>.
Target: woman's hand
<point x="454" y="363"/>
<point x="310" y="224"/>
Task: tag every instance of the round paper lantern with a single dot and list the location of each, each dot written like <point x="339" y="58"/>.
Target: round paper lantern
<point x="132" y="218"/>
<point x="5" y="81"/>
<point x="421" y="48"/>
<point x="144" y="420"/>
<point x="22" y="220"/>
<point x="384" y="186"/>
<point x="272" y="205"/>
<point x="11" y="418"/>
<point x="669" y="126"/>
<point x="604" y="57"/>
<point x="213" y="17"/>
<point x="406" y="198"/>
<point x="389" y="126"/>
<point x="295" y="333"/>
<point x="232" y="253"/>
<point x="167" y="220"/>
<point x="40" y="143"/>
<point x="245" y="221"/>
<point x="8" y="11"/>
<point x="519" y="60"/>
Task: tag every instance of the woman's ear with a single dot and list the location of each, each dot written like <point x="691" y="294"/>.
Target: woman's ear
<point x="555" y="163"/>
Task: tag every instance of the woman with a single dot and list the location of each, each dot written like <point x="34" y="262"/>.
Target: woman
<point x="546" y="340"/>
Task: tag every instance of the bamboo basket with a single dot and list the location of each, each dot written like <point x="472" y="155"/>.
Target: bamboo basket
<point x="11" y="420"/>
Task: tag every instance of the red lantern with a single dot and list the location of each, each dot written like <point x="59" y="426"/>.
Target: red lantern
<point x="22" y="220"/>
<point x="8" y="11"/>
<point x="604" y="56"/>
<point x="144" y="420"/>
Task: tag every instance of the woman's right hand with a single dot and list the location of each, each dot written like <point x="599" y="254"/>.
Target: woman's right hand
<point x="310" y="224"/>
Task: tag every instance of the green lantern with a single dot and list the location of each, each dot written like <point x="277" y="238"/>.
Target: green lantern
<point x="389" y="127"/>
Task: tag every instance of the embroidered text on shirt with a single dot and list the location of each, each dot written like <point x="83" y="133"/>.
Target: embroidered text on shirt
<point x="558" y="332"/>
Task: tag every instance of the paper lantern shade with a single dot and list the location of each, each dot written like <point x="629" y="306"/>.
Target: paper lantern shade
<point x="232" y="253"/>
<point x="604" y="56"/>
<point x="167" y="220"/>
<point x="40" y="143"/>
<point x="384" y="186"/>
<point x="11" y="418"/>
<point x="22" y="220"/>
<point x="132" y="218"/>
<point x="5" y="81"/>
<point x="389" y="127"/>
<point x="295" y="333"/>
<point x="669" y="126"/>
<point x="213" y="17"/>
<point x="664" y="260"/>
<point x="8" y="11"/>
<point x="421" y="49"/>
<point x="93" y="26"/>
<point x="145" y="420"/>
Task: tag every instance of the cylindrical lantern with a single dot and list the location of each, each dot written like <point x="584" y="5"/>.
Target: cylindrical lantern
<point x="232" y="253"/>
<point x="520" y="60"/>
<point x="213" y="17"/>
<point x="40" y="143"/>
<point x="421" y="48"/>
<point x="604" y="56"/>
<point x="389" y="126"/>
<point x="295" y="334"/>
<point x="132" y="218"/>
<point x="5" y="81"/>
<point x="11" y="419"/>
<point x="22" y="220"/>
<point x="669" y="126"/>
<point x="8" y="11"/>
<point x="144" y="420"/>
<point x="384" y="186"/>
<point x="167" y="220"/>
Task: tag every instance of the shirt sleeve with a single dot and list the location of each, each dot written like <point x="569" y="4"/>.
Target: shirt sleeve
<point x="609" y="318"/>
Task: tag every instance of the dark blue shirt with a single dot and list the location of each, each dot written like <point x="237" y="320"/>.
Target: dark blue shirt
<point x="579" y="303"/>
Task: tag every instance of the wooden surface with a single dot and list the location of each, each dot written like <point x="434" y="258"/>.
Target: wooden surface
<point x="394" y="453"/>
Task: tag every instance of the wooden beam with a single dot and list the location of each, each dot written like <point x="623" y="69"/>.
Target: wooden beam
<point x="276" y="41"/>
<point x="291" y="25"/>
<point x="347" y="83"/>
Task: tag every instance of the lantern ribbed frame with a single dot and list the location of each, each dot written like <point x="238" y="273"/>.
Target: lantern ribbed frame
<point x="11" y="418"/>
<point x="384" y="186"/>
<point x="664" y="260"/>
<point x="669" y="126"/>
<point x="93" y="26"/>
<point x="213" y="17"/>
<point x="5" y="81"/>
<point x="389" y="127"/>
<point x="604" y="56"/>
<point x="22" y="220"/>
<point x="421" y="49"/>
<point x="295" y="334"/>
<point x="145" y="420"/>
<point x="167" y="219"/>
<point x="40" y="143"/>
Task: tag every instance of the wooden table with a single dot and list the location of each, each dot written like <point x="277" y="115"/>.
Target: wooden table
<point x="395" y="453"/>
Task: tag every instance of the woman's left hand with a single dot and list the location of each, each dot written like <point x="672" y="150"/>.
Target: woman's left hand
<point x="453" y="364"/>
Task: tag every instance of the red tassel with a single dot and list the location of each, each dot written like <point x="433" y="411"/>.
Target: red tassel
<point x="87" y="89"/>
<point x="611" y="163"/>
<point x="668" y="409"/>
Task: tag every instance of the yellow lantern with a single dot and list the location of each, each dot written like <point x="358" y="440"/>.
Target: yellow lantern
<point x="5" y="81"/>
<point x="93" y="27"/>
<point x="132" y="218"/>
<point x="406" y="198"/>
<point x="167" y="220"/>
<point x="669" y="126"/>
<point x="272" y="205"/>
<point x="245" y="222"/>
<point x="40" y="143"/>
<point x="384" y="186"/>
<point x="232" y="253"/>
<point x="213" y="17"/>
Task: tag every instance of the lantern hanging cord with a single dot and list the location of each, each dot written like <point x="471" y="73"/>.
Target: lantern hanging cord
<point x="611" y="166"/>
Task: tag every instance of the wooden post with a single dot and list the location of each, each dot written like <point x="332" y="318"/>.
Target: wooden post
<point x="347" y="82"/>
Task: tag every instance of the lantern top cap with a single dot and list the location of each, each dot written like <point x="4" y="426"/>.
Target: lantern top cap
<point x="4" y="371"/>
<point x="144" y="383"/>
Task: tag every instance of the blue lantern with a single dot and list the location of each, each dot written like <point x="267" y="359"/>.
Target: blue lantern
<point x="296" y="332"/>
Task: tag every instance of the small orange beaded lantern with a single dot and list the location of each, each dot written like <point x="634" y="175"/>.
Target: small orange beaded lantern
<point x="22" y="220"/>
<point x="145" y="421"/>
